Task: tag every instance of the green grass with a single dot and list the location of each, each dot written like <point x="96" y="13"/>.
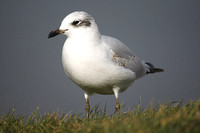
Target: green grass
<point x="164" y="118"/>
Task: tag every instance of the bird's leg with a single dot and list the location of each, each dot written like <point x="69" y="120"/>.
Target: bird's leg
<point x="117" y="106"/>
<point x="87" y="106"/>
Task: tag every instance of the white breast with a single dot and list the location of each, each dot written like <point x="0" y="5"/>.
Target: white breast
<point x="91" y="67"/>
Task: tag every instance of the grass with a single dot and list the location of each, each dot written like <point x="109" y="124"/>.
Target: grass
<point x="164" y="118"/>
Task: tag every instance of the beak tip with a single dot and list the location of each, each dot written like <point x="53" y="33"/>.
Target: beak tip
<point x="54" y="33"/>
<point x="49" y="36"/>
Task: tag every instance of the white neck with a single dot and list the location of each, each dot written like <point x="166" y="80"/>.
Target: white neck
<point x="90" y="34"/>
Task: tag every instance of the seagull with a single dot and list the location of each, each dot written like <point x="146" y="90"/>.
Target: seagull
<point x="97" y="63"/>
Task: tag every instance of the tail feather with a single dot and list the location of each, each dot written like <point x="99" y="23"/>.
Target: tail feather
<point x="152" y="69"/>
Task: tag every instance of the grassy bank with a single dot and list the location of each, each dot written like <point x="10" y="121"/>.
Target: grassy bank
<point x="164" y="118"/>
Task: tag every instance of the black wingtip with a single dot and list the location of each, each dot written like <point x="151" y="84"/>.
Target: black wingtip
<point x="158" y="70"/>
<point x="152" y="69"/>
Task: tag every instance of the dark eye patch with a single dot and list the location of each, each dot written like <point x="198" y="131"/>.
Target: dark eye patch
<point x="76" y="22"/>
<point x="86" y="23"/>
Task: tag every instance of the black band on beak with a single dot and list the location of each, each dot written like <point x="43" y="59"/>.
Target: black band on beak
<point x="55" y="33"/>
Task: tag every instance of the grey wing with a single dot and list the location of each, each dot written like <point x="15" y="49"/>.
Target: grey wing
<point x="123" y="56"/>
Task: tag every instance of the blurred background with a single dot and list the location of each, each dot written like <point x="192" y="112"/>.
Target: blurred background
<point x="165" y="33"/>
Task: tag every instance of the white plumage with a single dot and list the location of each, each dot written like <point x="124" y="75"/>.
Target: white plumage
<point x="97" y="63"/>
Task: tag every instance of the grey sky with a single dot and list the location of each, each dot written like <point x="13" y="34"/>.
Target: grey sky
<point x="165" y="33"/>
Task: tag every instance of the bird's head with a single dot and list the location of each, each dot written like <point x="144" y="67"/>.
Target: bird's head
<point x="76" y="23"/>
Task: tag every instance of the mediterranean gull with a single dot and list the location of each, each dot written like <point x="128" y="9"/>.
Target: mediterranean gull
<point x="98" y="63"/>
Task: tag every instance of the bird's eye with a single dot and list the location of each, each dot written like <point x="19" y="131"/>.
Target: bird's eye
<point x="76" y="22"/>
